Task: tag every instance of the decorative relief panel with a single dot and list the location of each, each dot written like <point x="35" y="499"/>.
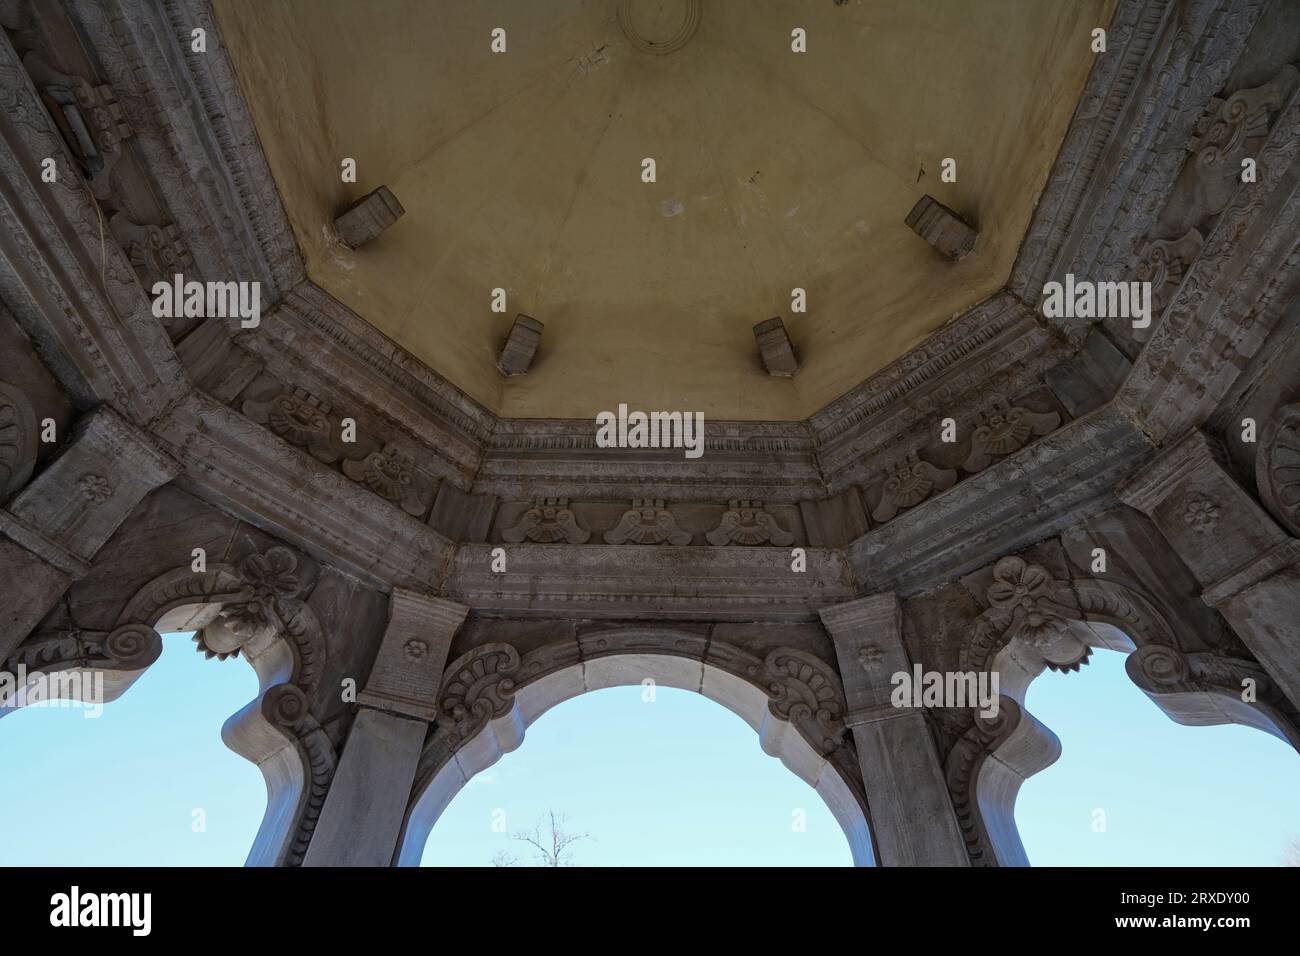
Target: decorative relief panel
<point x="300" y="419"/>
<point x="909" y="482"/>
<point x="391" y="474"/>
<point x="1004" y="429"/>
<point x="747" y="523"/>
<point x="548" y="521"/>
<point x="648" y="522"/>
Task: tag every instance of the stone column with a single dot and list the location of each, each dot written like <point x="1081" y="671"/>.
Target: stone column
<point x="1248" y="567"/>
<point x="53" y="528"/>
<point x="912" y="819"/>
<point x="362" y="816"/>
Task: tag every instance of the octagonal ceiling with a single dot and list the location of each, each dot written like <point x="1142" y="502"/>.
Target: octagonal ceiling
<point x="775" y="170"/>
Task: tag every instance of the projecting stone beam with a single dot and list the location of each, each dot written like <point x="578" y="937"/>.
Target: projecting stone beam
<point x="941" y="227"/>
<point x="775" y="348"/>
<point x="368" y="217"/>
<point x="517" y="354"/>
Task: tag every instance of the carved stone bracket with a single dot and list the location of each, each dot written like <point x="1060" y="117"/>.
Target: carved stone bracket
<point x="391" y="474"/>
<point x="961" y="770"/>
<point x="477" y="687"/>
<point x="747" y="523"/>
<point x="286" y="707"/>
<point x="807" y="692"/>
<point x="648" y="522"/>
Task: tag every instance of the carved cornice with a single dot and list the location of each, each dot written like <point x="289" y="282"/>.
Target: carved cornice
<point x="607" y="581"/>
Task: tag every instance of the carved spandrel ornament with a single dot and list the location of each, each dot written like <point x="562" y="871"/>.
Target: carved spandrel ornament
<point x="647" y="522"/>
<point x="300" y="419"/>
<point x="1003" y="429"/>
<point x="1277" y="467"/>
<point x="805" y="691"/>
<point x="548" y="521"/>
<point x="747" y="523"/>
<point x="477" y="687"/>
<point x="909" y="482"/>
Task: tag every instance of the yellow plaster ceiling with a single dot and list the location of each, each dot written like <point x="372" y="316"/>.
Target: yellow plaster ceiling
<point x="775" y="170"/>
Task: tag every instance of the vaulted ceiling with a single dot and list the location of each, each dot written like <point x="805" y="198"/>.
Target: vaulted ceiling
<point x="775" y="170"/>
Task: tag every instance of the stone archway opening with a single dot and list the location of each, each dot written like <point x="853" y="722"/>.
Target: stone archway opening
<point x="1158" y="670"/>
<point x="777" y="737"/>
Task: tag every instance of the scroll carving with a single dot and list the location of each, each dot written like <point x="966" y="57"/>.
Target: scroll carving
<point x="479" y="686"/>
<point x="805" y="691"/>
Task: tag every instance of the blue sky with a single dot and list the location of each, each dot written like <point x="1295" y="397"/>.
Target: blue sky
<point x="679" y="781"/>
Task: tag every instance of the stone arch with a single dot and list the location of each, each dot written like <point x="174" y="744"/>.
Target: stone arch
<point x="252" y="609"/>
<point x="1035" y="622"/>
<point x="492" y="694"/>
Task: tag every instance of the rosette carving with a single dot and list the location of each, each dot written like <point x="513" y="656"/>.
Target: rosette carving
<point x="1003" y="429"/>
<point x="548" y="521"/>
<point x="909" y="482"/>
<point x="648" y="522"/>
<point x="269" y="581"/>
<point x="747" y="523"/>
<point x="806" y="691"/>
<point x="1034" y="605"/>
<point x="479" y="686"/>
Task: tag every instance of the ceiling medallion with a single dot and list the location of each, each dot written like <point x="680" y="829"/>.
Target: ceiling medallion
<point x="659" y="26"/>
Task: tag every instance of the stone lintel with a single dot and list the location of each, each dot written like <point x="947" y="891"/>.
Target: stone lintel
<point x="1282" y="555"/>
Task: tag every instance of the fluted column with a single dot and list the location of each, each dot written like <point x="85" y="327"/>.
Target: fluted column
<point x="362" y="816"/>
<point x="912" y="819"/>
<point x="1248" y="566"/>
<point x="52" y="529"/>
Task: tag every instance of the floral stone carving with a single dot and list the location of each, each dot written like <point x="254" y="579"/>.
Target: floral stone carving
<point x="647" y="522"/>
<point x="300" y="419"/>
<point x="1003" y="429"/>
<point x="548" y="521"/>
<point x="390" y="474"/>
<point x="908" y="483"/>
<point x="746" y="523"/>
